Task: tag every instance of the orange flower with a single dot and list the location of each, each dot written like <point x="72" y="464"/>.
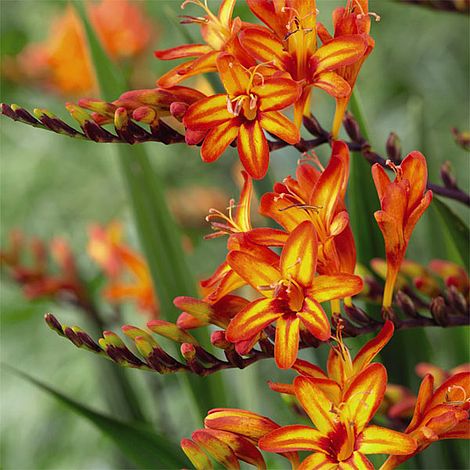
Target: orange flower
<point x="402" y="202"/>
<point x="342" y="369"/>
<point x="219" y="33"/>
<point x="318" y="197"/>
<point x="250" y="106"/>
<point x="128" y="273"/>
<point x="230" y="435"/>
<point x="290" y="45"/>
<point x="452" y="274"/>
<point x="351" y="20"/>
<point x="439" y="414"/>
<point x="293" y="294"/>
<point x="342" y="437"/>
<point x="62" y="61"/>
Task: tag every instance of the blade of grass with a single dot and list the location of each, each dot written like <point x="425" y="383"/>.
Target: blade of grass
<point x="139" y="444"/>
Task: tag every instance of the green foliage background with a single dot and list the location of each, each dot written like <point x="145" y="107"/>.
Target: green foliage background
<point x="415" y="83"/>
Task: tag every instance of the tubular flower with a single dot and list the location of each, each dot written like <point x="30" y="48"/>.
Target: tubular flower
<point x="342" y="369"/>
<point x="402" y="202"/>
<point x="220" y="34"/>
<point x="128" y="273"/>
<point x="62" y="61"/>
<point x="293" y="294"/>
<point x="37" y="279"/>
<point x="351" y="20"/>
<point x="250" y="106"/>
<point x="452" y="274"/>
<point x="230" y="435"/>
<point x="342" y="437"/>
<point x="289" y="44"/>
<point x="439" y="414"/>
<point x="318" y="197"/>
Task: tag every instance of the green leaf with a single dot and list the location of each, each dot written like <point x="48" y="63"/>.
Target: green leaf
<point x="158" y="233"/>
<point x="456" y="231"/>
<point x="362" y="199"/>
<point x="142" y="446"/>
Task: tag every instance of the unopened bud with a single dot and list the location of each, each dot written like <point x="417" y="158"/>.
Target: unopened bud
<point x="53" y="323"/>
<point x="86" y="339"/>
<point x="78" y="113"/>
<point x="144" y="114"/>
<point x="218" y="340"/>
<point x="72" y="336"/>
<point x="143" y="346"/>
<point x="406" y="304"/>
<point x="389" y="314"/>
<point x="98" y="106"/>
<point x="461" y="137"/>
<point x="178" y="110"/>
<point x="121" y="119"/>
<point x="357" y="315"/>
<point x="447" y="177"/>
<point x="171" y="331"/>
<point x="456" y="300"/>
<point x="352" y="127"/>
<point x="393" y="148"/>
<point x="188" y="351"/>
<point x="438" y="310"/>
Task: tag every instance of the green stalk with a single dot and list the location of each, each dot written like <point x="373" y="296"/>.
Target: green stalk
<point x="158" y="233"/>
<point x="362" y="197"/>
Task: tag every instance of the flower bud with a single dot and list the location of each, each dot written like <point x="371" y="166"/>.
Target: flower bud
<point x="406" y="304"/>
<point x="393" y="148"/>
<point x="313" y="126"/>
<point x="352" y="128"/>
<point x="218" y="340"/>
<point x="178" y="110"/>
<point x="447" y="177"/>
<point x="438" y="310"/>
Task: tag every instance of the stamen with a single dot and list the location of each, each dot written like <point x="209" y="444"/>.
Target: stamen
<point x="456" y="402"/>
<point x="376" y="17"/>
<point x="301" y="206"/>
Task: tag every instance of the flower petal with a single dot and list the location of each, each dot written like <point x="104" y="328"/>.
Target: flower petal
<point x="207" y="113"/>
<point x="276" y="93"/>
<point x="293" y="438"/>
<point x="378" y="440"/>
<point x="299" y="255"/>
<point x="196" y="455"/>
<point x="245" y="423"/>
<point x="365" y="394"/>
<point x="185" y="50"/>
<point x="218" y="139"/>
<point x="315" y="320"/>
<point x="367" y="353"/>
<point x="340" y="51"/>
<point x="253" y="319"/>
<point x="277" y="124"/>
<point x="218" y="449"/>
<point x="286" y="345"/>
<point x="315" y="403"/>
<point x="357" y="461"/>
<point x="253" y="149"/>
<point x="234" y="76"/>
<point x="257" y="272"/>
<point x="333" y="84"/>
<point x="335" y="287"/>
<point x="263" y="45"/>
<point x="243" y="215"/>
<point x="318" y="461"/>
<point x="309" y="370"/>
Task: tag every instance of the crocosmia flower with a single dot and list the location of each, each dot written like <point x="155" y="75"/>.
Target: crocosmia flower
<point x="250" y="106"/>
<point x="289" y="44"/>
<point x="403" y="201"/>
<point x="293" y="294"/>
<point x="342" y="436"/>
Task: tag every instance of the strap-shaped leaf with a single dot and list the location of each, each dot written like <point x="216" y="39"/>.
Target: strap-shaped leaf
<point x="144" y="447"/>
<point x="457" y="232"/>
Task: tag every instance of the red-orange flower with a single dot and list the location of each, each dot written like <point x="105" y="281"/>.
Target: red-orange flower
<point x="220" y="34"/>
<point x="293" y="294"/>
<point x="250" y="106"/>
<point x="318" y="197"/>
<point x="62" y="61"/>
<point x="128" y="273"/>
<point x="341" y="368"/>
<point x="402" y="202"/>
<point x="351" y="20"/>
<point x="342" y="437"/>
<point x="439" y="414"/>
<point x="290" y="45"/>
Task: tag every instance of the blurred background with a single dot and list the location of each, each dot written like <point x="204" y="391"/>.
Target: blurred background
<point x="415" y="83"/>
